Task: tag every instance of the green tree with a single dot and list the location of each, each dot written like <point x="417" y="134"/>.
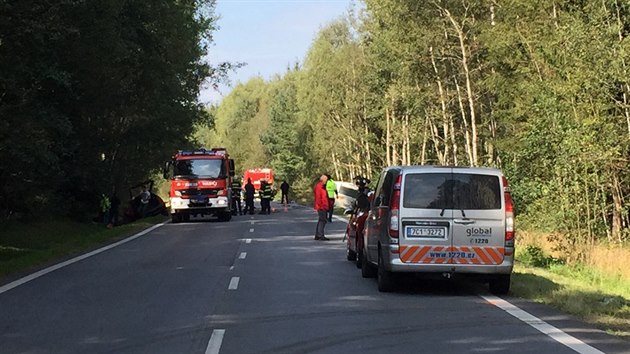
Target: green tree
<point x="97" y="94"/>
<point x="283" y="137"/>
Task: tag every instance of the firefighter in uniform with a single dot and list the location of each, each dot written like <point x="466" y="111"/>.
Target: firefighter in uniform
<point x="265" y="197"/>
<point x="236" y="196"/>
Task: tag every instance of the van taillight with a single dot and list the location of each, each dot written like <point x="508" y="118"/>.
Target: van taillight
<point x="394" y="207"/>
<point x="509" y="214"/>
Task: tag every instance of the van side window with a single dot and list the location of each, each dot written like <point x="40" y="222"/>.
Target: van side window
<point x="385" y="192"/>
<point x="379" y="190"/>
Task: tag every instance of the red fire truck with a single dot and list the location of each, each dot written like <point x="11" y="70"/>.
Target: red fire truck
<point x="257" y="175"/>
<point x="200" y="184"/>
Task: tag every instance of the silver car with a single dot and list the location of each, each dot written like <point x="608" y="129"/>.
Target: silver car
<point x="441" y="220"/>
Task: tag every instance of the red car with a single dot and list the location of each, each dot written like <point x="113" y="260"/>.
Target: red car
<point x="354" y="231"/>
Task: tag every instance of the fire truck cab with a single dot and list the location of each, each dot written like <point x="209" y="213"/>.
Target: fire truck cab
<point x="200" y="184"/>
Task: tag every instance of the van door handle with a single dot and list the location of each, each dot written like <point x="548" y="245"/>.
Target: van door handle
<point x="464" y="221"/>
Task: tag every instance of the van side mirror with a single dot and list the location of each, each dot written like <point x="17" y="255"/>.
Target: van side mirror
<point x="232" y="169"/>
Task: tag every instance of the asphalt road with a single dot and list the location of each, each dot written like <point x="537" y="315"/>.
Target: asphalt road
<point x="261" y="284"/>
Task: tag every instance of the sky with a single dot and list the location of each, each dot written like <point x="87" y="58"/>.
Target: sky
<point x="268" y="35"/>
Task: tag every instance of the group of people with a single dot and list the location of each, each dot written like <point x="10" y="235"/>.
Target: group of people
<point x="265" y="193"/>
<point x="325" y="193"/>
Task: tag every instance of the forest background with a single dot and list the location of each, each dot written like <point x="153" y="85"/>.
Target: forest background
<point x="536" y="88"/>
<point x="95" y="97"/>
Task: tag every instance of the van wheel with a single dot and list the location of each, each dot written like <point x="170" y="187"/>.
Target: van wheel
<point x="384" y="278"/>
<point x="359" y="261"/>
<point x="350" y="254"/>
<point x="367" y="269"/>
<point x="500" y="285"/>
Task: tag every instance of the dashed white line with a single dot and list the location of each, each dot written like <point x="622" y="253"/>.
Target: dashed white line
<point x="251" y="230"/>
<point x="242" y="255"/>
<point x="214" y="345"/>
<point x="249" y="240"/>
<point x="234" y="283"/>
<point x="544" y="327"/>
<point x="252" y="222"/>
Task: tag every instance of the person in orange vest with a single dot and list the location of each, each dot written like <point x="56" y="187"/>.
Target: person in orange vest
<point x="321" y="206"/>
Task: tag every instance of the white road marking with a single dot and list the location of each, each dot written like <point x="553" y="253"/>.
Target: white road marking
<point x="252" y="222"/>
<point x="243" y="255"/>
<point x="251" y="230"/>
<point x="544" y="327"/>
<point x="234" y="283"/>
<point x="214" y="345"/>
<point x="232" y="268"/>
<point x="43" y="272"/>
<point x="249" y="240"/>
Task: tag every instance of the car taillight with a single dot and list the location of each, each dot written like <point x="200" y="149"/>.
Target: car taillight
<point x="509" y="214"/>
<point x="222" y="192"/>
<point x="394" y="207"/>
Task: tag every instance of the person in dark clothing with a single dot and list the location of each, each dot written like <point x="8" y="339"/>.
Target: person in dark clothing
<point x="236" y="197"/>
<point x="114" y="204"/>
<point x="265" y="198"/>
<point x="249" y="197"/>
<point x="284" y="188"/>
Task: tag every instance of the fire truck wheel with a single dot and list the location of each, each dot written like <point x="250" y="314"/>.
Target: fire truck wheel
<point x="225" y="216"/>
<point x="186" y="217"/>
<point x="175" y="218"/>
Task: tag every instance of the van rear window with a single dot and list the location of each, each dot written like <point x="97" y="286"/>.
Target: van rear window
<point x="451" y="191"/>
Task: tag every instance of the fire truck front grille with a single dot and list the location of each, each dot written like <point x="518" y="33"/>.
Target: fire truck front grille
<point x="192" y="192"/>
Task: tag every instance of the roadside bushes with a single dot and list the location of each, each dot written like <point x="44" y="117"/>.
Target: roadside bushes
<point x="535" y="256"/>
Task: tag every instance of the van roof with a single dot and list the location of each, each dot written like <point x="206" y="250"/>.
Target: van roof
<point x="428" y="168"/>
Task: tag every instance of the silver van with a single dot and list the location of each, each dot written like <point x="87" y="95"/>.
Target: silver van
<point x="441" y="220"/>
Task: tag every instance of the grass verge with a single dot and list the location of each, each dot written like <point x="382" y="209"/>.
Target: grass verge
<point x="27" y="247"/>
<point x="595" y="297"/>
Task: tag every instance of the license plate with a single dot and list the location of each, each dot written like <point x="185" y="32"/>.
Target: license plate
<point x="425" y="231"/>
<point x="199" y="200"/>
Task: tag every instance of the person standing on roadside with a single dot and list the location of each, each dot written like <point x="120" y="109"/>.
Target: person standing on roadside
<point x="236" y="197"/>
<point x="331" y="190"/>
<point x="249" y="197"/>
<point x="321" y="206"/>
<point x="284" y="188"/>
<point x="265" y="198"/>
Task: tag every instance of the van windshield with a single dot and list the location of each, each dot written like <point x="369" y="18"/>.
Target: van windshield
<point x="452" y="191"/>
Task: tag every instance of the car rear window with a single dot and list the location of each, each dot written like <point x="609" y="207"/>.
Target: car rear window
<point x="451" y="191"/>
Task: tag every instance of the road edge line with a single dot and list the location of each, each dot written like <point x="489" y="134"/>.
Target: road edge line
<point x="14" y="284"/>
<point x="552" y="332"/>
